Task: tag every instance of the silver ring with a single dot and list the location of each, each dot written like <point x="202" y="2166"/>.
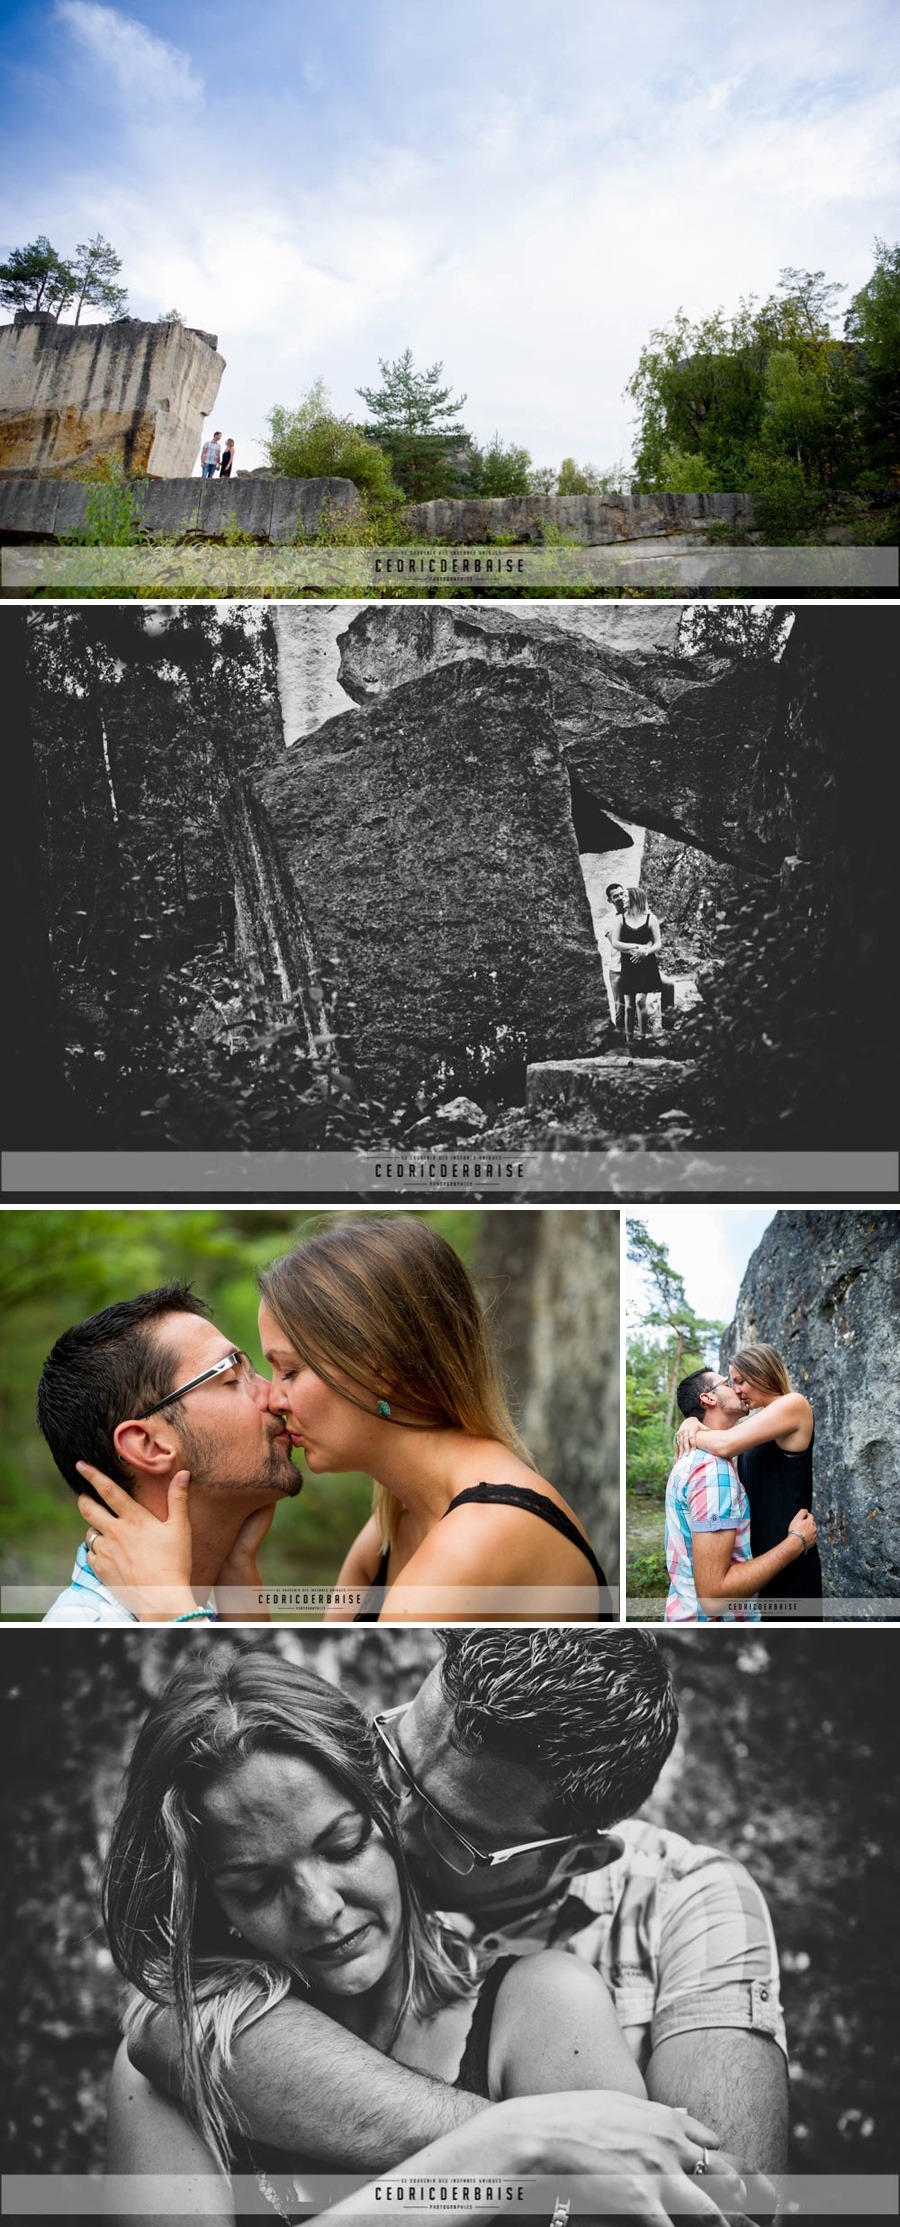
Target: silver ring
<point x="702" y="2165"/>
<point x="91" y="1541"/>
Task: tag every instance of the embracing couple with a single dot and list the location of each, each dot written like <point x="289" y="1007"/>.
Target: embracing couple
<point x="382" y="1362"/>
<point x="418" y="1942"/>
<point x="740" y="1534"/>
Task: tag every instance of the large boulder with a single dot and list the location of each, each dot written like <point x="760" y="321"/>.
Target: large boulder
<point x="825" y="1289"/>
<point x="131" y="394"/>
<point x="431" y="838"/>
<point x="660" y="738"/>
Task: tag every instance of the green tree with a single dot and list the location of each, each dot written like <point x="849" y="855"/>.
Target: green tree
<point x="872" y="326"/>
<point x="411" y="401"/>
<point x="498" y="470"/>
<point x="312" y="442"/>
<point x="689" y="1335"/>
<point x="36" y="277"/>
<point x="95" y="273"/>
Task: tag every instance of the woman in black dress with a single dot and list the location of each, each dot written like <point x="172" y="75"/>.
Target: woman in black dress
<point x="636" y="938"/>
<point x="227" y="459"/>
<point x="773" y="1448"/>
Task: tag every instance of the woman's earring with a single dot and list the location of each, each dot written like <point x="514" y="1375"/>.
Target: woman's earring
<point x="234" y="1933"/>
<point x="382" y="1408"/>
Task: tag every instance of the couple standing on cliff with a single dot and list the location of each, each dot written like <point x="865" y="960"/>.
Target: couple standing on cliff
<point x="214" y="458"/>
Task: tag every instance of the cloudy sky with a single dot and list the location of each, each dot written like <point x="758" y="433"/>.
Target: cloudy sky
<point x="709" y="1247"/>
<point x="521" y="190"/>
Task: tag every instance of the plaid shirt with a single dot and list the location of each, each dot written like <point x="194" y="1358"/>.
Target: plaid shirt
<point x="87" y="1600"/>
<point x="680" y="1933"/>
<point x="704" y="1493"/>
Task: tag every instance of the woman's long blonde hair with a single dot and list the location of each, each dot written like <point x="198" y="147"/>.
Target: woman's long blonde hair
<point x="763" y="1366"/>
<point x="387" y="1303"/>
<point x="167" y="1933"/>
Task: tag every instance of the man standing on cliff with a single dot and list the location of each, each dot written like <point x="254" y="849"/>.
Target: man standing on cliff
<point x="211" y="456"/>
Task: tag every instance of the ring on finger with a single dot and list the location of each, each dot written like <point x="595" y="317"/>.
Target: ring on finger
<point x="702" y="2165"/>
<point x="91" y="1541"/>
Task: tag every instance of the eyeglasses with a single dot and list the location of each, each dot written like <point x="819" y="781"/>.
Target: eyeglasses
<point x="446" y="1839"/>
<point x="233" y="1360"/>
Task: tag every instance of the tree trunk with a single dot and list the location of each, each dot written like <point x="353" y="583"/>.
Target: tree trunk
<point x="272" y="932"/>
<point x="554" y="1281"/>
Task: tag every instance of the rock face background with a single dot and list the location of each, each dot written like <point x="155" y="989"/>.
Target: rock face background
<point x="669" y="741"/>
<point x="431" y="838"/>
<point x="825" y="1289"/>
<point x="133" y="393"/>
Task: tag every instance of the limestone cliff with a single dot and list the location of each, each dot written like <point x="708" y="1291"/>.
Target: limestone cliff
<point x="131" y="393"/>
<point x="825" y="1289"/>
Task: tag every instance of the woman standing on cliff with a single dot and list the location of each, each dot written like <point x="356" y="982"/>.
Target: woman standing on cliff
<point x="773" y="1448"/>
<point x="227" y="459"/>
<point x="636" y="938"/>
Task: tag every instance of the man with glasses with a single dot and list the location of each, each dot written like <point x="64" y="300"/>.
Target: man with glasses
<point x="516" y="1770"/>
<point x="150" y="1394"/>
<point x="712" y="1577"/>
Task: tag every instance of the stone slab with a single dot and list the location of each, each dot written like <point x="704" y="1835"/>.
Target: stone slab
<point x="168" y="507"/>
<point x="302" y="504"/>
<point x="28" y="506"/>
<point x="623" y="1094"/>
<point x="71" y="515"/>
<point x="246" y="504"/>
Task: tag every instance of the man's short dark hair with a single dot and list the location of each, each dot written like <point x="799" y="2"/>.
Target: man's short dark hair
<point x="690" y="1388"/>
<point x="594" y="1714"/>
<point x="104" y="1370"/>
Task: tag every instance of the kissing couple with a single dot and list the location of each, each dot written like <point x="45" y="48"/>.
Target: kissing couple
<point x="382" y="1361"/>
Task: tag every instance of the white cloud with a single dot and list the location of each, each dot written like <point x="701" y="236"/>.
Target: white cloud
<point x="144" y="66"/>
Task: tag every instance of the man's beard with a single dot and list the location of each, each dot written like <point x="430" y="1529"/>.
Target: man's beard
<point x="208" y="1463"/>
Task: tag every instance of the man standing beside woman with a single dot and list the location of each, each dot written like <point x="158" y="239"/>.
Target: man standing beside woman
<point x="635" y="939"/>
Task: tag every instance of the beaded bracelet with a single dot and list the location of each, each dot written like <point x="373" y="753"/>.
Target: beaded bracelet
<point x="188" y="1614"/>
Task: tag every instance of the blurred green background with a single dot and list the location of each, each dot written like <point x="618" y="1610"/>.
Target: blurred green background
<point x="549" y="1281"/>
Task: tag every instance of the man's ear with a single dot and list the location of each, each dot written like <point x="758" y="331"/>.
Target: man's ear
<point x="147" y="1447"/>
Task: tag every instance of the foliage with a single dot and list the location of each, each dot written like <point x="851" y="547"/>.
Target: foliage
<point x="111" y="516"/>
<point x="771" y="400"/>
<point x="95" y="272"/>
<point x="679" y="1342"/>
<point x="37" y="277"/>
<point x="411" y="401"/>
<point x="585" y="479"/>
<point x="498" y="469"/>
<point x="311" y="442"/>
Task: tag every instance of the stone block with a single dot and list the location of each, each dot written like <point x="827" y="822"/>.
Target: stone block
<point x="431" y="836"/>
<point x="625" y="1095"/>
<point x="72" y="510"/>
<point x="245" y="503"/>
<point x="130" y="391"/>
<point x="166" y="508"/>
<point x="307" y="504"/>
<point x="28" y="508"/>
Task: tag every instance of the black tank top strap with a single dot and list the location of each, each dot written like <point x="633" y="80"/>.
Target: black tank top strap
<point x="473" y="2071"/>
<point x="365" y="1614"/>
<point x="536" y="1504"/>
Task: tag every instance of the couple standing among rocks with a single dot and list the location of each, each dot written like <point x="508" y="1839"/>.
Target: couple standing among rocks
<point x="634" y="939"/>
